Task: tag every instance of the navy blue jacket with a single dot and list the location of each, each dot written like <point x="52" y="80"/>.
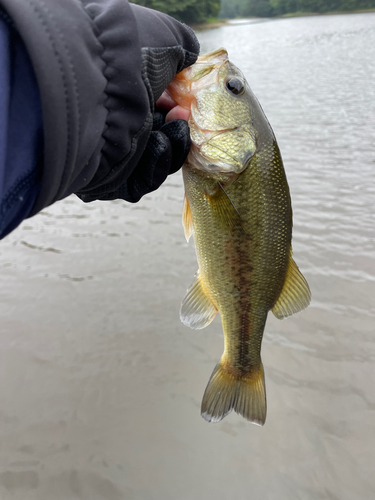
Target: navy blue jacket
<point x="78" y="86"/>
<point x="21" y="134"/>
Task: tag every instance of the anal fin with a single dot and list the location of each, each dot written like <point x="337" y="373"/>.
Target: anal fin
<point x="197" y="311"/>
<point x="295" y="294"/>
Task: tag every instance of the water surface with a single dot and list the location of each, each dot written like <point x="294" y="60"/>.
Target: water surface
<point x="100" y="383"/>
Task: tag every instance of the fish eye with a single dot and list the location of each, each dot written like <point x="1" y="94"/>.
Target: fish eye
<point x="235" y="85"/>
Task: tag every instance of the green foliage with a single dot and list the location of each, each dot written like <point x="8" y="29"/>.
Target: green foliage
<point x="188" y="11"/>
<point x="260" y="8"/>
<point x="287" y="6"/>
<point x="234" y="8"/>
<point x="269" y="8"/>
<point x="199" y="11"/>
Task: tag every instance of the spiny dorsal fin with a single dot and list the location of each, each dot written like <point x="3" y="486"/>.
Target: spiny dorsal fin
<point x="224" y="209"/>
<point x="295" y="294"/>
<point x="187" y="220"/>
<point x="197" y="311"/>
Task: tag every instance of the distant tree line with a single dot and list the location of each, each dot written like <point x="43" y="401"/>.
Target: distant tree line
<point x="269" y="8"/>
<point x="199" y="11"/>
<point x="187" y="11"/>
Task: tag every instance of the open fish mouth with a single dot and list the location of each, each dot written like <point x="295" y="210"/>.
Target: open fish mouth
<point x="237" y="207"/>
<point x="181" y="87"/>
<point x="216" y="56"/>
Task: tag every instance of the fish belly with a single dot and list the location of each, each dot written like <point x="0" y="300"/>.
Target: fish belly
<point x="242" y="268"/>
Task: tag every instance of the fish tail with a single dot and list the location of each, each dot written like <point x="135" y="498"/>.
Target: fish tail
<point x="245" y="394"/>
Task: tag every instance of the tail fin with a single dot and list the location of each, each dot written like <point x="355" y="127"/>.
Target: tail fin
<point x="245" y="395"/>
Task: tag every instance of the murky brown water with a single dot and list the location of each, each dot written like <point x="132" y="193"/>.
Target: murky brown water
<point x="100" y="383"/>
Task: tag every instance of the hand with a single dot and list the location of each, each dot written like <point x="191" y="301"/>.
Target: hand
<point x="167" y="47"/>
<point x="169" y="142"/>
<point x="103" y="136"/>
<point x="166" y="150"/>
<point x="174" y="111"/>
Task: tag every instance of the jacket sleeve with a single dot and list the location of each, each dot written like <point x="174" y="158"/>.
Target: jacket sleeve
<point x="21" y="134"/>
<point x="99" y="65"/>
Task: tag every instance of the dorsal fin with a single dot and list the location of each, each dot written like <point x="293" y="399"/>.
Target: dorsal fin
<point x="187" y="220"/>
<point x="197" y="311"/>
<point x="295" y="294"/>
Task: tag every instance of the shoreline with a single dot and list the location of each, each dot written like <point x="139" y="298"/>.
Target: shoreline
<point x="207" y="26"/>
<point x="329" y="13"/>
<point x="227" y="22"/>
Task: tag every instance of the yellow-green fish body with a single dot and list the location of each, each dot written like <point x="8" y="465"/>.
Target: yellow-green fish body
<point x="237" y="206"/>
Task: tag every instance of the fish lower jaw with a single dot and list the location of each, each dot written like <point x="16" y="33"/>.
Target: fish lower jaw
<point x="210" y="166"/>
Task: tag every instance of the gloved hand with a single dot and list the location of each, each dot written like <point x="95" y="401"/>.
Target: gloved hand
<point x="166" y="151"/>
<point x="100" y="68"/>
<point x="167" y="48"/>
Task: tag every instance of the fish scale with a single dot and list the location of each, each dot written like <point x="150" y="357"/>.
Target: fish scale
<point x="237" y="206"/>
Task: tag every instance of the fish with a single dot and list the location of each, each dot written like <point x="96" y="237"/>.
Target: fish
<point x="237" y="206"/>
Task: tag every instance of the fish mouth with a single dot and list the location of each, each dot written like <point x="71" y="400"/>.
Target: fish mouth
<point x="218" y="169"/>
<point x="218" y="55"/>
<point x="211" y="151"/>
<point x="182" y="87"/>
<point x="211" y="60"/>
<point x="212" y="133"/>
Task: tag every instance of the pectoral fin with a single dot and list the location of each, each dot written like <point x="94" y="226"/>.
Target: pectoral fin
<point x="224" y="209"/>
<point x="197" y="311"/>
<point x="187" y="220"/>
<point x="295" y="294"/>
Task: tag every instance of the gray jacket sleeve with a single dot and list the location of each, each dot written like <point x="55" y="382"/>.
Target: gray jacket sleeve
<point x="100" y="66"/>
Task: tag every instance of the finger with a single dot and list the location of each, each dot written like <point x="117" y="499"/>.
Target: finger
<point x="165" y="101"/>
<point x="178" y="113"/>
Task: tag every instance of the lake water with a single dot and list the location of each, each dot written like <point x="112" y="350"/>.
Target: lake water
<point x="100" y="383"/>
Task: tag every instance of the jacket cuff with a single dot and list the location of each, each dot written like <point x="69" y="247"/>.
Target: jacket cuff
<point x="87" y="60"/>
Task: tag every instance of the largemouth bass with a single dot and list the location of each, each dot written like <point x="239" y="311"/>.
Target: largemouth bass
<point x="237" y="206"/>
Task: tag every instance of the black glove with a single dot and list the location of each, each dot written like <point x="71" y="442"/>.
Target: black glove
<point x="165" y="153"/>
<point x="167" y="48"/>
<point x="100" y="67"/>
